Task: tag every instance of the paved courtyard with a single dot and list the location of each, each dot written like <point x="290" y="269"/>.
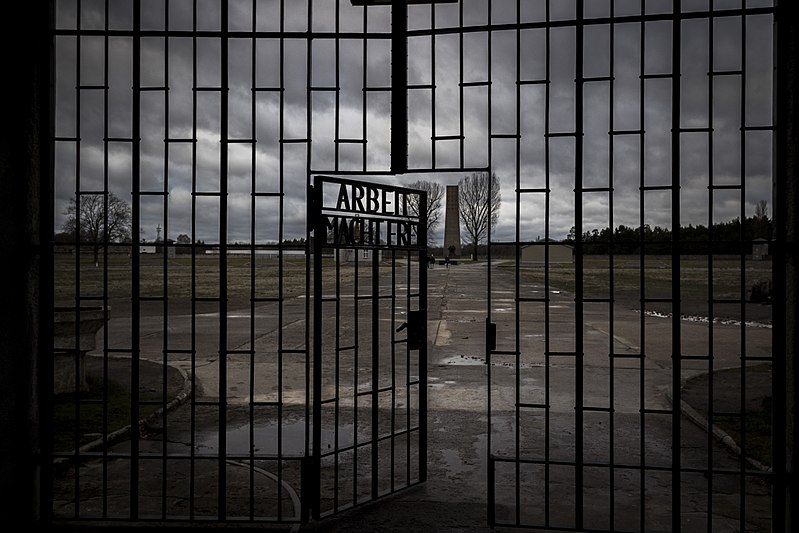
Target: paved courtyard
<point x="455" y="495"/>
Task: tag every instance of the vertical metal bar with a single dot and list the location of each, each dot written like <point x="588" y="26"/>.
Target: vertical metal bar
<point x="676" y="338"/>
<point x="461" y="140"/>
<point x="375" y="369"/>
<point x="784" y="338"/>
<point x="547" y="295"/>
<point x="578" y="269"/>
<point x="364" y="95"/>
<point x="742" y="465"/>
<point x="612" y="271"/>
<point x="422" y="265"/>
<point x="642" y="278"/>
<point x="317" y="195"/>
<point x="516" y="267"/>
<point x="253" y="294"/>
<point x="135" y="263"/>
<point x="392" y="333"/>
<point x="399" y="86"/>
<point x="78" y="262"/>
<point x="223" y="262"/>
<point x="105" y="263"/>
<point x="318" y="239"/>
<point x="45" y="370"/>
<point x="488" y="347"/>
<point x="408" y="383"/>
<point x="337" y="95"/>
<point x="336" y="429"/>
<point x="165" y="275"/>
<point x="710" y="262"/>
<point x="193" y="410"/>
<point x="355" y="371"/>
<point x="433" y="85"/>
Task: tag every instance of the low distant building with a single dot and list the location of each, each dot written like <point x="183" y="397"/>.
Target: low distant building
<point x="759" y="249"/>
<point x="147" y="249"/>
<point x="351" y="255"/>
<point x="558" y="253"/>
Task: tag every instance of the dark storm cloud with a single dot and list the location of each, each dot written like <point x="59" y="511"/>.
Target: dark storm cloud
<point x="259" y="166"/>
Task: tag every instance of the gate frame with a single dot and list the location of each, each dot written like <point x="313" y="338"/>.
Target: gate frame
<point x="317" y="226"/>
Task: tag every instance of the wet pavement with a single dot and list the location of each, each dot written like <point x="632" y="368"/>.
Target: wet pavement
<point x="455" y="496"/>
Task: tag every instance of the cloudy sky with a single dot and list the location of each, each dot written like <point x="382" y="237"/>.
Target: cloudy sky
<point x="489" y="126"/>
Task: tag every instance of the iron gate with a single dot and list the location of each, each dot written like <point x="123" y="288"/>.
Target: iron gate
<point x="370" y="384"/>
<point x="211" y="118"/>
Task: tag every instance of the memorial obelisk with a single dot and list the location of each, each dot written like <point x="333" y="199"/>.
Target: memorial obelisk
<point x="452" y="224"/>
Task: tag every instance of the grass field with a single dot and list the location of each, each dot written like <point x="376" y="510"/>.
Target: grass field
<point x="179" y="276"/>
<point x="627" y="276"/>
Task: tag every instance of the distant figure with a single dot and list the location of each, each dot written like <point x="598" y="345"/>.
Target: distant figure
<point x="431" y="261"/>
<point x="446" y="261"/>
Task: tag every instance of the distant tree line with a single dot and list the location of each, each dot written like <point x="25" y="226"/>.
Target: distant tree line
<point x="726" y="238"/>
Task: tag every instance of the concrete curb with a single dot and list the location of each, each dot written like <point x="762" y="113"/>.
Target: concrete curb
<point x="722" y="436"/>
<point x="144" y="424"/>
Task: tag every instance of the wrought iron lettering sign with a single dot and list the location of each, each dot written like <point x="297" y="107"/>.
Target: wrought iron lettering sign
<point x="355" y="214"/>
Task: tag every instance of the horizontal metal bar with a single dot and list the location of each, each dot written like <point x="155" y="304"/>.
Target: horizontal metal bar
<point x="658" y="411"/>
<point x="533" y="405"/>
<point x="759" y="128"/>
<point x="427" y="86"/>
<point x="179" y="140"/>
<point x="626" y="132"/>
<point x="346" y="348"/>
<point x="561" y="134"/>
<point x="152" y="88"/>
<point x="626" y="355"/>
<point x="594" y="189"/>
<point x="475" y="84"/>
<point x="591" y="79"/>
<point x="534" y="190"/>
<point x="532" y="82"/>
<point x="657" y="187"/>
<point x="591" y="409"/>
<point x="241" y="141"/>
<point x="530" y="299"/>
<point x="447" y="137"/>
<point x="729" y="187"/>
<point x="350" y="141"/>
<point x="695" y="130"/>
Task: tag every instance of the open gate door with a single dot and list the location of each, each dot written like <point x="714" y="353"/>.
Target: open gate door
<point x="369" y="341"/>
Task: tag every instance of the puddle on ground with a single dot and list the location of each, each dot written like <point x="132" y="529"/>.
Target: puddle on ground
<point x="265" y="439"/>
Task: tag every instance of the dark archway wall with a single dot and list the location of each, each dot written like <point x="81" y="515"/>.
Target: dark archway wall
<point x="786" y="274"/>
<point x="24" y="197"/>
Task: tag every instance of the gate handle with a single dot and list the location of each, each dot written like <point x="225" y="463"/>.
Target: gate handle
<point x="402" y="326"/>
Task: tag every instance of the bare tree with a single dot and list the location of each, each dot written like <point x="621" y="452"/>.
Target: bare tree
<point x="761" y="221"/>
<point x="97" y="219"/>
<point x="435" y="193"/>
<point x="479" y="201"/>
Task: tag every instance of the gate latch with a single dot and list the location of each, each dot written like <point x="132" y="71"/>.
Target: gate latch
<point x="417" y="331"/>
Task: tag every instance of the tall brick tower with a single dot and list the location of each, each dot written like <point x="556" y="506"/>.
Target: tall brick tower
<point x="452" y="223"/>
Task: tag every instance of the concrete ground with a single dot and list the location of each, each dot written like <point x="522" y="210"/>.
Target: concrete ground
<point x="455" y="496"/>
